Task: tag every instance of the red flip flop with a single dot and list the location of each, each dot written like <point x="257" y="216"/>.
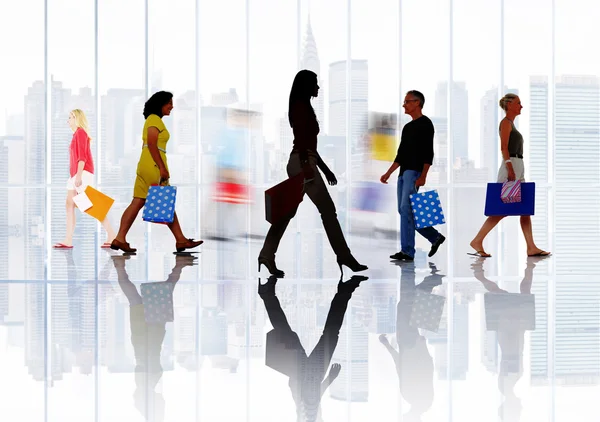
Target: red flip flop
<point x="62" y="246"/>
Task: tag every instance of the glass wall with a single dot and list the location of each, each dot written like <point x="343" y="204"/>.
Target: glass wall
<point x="230" y="65"/>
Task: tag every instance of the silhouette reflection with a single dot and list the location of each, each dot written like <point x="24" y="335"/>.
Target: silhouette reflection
<point x="149" y="311"/>
<point x="417" y="308"/>
<point x="285" y="353"/>
<point x="510" y="315"/>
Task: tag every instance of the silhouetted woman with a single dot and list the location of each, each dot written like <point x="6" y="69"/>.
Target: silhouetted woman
<point x="305" y="158"/>
<point x="511" y="148"/>
<point x="152" y="169"/>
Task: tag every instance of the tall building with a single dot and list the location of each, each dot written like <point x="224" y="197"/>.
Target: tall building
<point x="310" y="61"/>
<point x="537" y="156"/>
<point x="489" y="147"/>
<point x="113" y="135"/>
<point x="460" y="116"/>
<point x="35" y="164"/>
<point x="4" y="233"/>
<point x="576" y="157"/>
<point x="358" y="98"/>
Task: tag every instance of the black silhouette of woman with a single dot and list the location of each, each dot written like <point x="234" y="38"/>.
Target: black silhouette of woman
<point x="305" y="159"/>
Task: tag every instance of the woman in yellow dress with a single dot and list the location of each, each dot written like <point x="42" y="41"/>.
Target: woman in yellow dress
<point x="152" y="169"/>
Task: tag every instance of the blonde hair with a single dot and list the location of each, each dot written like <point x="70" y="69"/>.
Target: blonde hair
<point x="81" y="121"/>
<point x="507" y="99"/>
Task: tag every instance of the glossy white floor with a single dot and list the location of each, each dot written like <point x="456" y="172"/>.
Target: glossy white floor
<point x="448" y="338"/>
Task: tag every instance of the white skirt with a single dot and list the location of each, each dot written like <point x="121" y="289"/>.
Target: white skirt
<point x="518" y="167"/>
<point x="87" y="179"/>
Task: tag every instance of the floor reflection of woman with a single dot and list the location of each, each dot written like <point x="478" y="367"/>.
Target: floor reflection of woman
<point x="510" y="323"/>
<point x="147" y="339"/>
<point x="308" y="378"/>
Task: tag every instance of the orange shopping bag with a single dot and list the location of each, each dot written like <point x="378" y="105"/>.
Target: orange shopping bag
<point x="101" y="203"/>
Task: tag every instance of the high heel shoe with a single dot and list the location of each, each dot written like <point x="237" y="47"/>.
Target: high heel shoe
<point x="270" y="264"/>
<point x="351" y="263"/>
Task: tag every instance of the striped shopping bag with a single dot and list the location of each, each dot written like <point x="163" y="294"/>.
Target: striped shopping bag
<point x="511" y="192"/>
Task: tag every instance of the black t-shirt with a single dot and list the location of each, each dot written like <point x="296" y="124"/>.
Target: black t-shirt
<point x="416" y="145"/>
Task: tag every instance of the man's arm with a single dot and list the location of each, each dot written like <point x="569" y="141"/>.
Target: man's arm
<point x="426" y="153"/>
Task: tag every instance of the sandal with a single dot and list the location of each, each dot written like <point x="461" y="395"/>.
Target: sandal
<point x="480" y="254"/>
<point x="62" y="246"/>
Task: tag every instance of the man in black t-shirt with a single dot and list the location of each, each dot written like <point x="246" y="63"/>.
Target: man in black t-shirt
<point x="414" y="157"/>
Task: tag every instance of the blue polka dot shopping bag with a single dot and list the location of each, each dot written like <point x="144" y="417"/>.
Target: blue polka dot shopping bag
<point x="427" y="209"/>
<point x="160" y="204"/>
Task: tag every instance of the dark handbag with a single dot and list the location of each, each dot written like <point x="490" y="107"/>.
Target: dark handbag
<point x="495" y="206"/>
<point x="282" y="199"/>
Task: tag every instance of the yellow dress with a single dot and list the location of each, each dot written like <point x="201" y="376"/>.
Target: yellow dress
<point x="147" y="171"/>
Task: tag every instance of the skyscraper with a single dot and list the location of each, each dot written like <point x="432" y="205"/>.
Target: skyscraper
<point x="537" y="156"/>
<point x="35" y="163"/>
<point x="310" y="61"/>
<point x="359" y="99"/>
<point x="460" y="117"/>
<point x="576" y="158"/>
<point x="114" y="137"/>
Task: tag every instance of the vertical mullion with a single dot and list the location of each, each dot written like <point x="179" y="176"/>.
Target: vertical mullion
<point x="450" y="180"/>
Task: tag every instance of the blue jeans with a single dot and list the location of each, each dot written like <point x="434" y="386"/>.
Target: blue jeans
<point x="406" y="187"/>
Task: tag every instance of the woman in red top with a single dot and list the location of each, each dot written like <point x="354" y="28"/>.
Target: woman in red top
<point x="81" y="171"/>
<point x="305" y="159"/>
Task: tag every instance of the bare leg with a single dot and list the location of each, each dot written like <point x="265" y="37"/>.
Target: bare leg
<point x="129" y="216"/>
<point x="527" y="228"/>
<point x="70" y="208"/>
<point x="176" y="230"/>
<point x="110" y="233"/>
<point x="488" y="225"/>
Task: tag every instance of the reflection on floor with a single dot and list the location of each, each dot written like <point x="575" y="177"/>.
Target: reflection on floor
<point x="480" y="339"/>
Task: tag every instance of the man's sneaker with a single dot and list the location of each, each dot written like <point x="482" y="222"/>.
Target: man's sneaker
<point x="436" y="245"/>
<point x="401" y="256"/>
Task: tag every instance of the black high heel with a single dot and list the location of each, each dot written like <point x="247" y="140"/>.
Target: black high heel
<point x="270" y="264"/>
<point x="351" y="263"/>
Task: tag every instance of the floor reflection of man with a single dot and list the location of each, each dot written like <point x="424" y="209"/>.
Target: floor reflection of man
<point x="147" y="337"/>
<point x="510" y="315"/>
<point x="413" y="361"/>
<point x="285" y="353"/>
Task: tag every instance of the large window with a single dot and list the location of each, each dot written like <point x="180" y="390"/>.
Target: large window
<point x="230" y="66"/>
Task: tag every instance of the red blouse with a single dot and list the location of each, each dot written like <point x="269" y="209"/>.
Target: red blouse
<point x="80" y="151"/>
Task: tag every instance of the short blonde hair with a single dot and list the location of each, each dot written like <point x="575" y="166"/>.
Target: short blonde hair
<point x="81" y="121"/>
<point x="507" y="99"/>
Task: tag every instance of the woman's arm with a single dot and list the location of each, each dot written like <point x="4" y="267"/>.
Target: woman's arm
<point x="505" y="129"/>
<point x="81" y="147"/>
<point x="153" y="147"/>
<point x="321" y="164"/>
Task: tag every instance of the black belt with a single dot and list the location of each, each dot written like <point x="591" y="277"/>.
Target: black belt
<point x="516" y="156"/>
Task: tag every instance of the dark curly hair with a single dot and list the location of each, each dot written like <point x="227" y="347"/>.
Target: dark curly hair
<point x="156" y="102"/>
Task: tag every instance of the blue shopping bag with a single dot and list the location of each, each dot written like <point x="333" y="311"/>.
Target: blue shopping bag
<point x="157" y="299"/>
<point x="427" y="209"/>
<point x="160" y="204"/>
<point x="495" y="206"/>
